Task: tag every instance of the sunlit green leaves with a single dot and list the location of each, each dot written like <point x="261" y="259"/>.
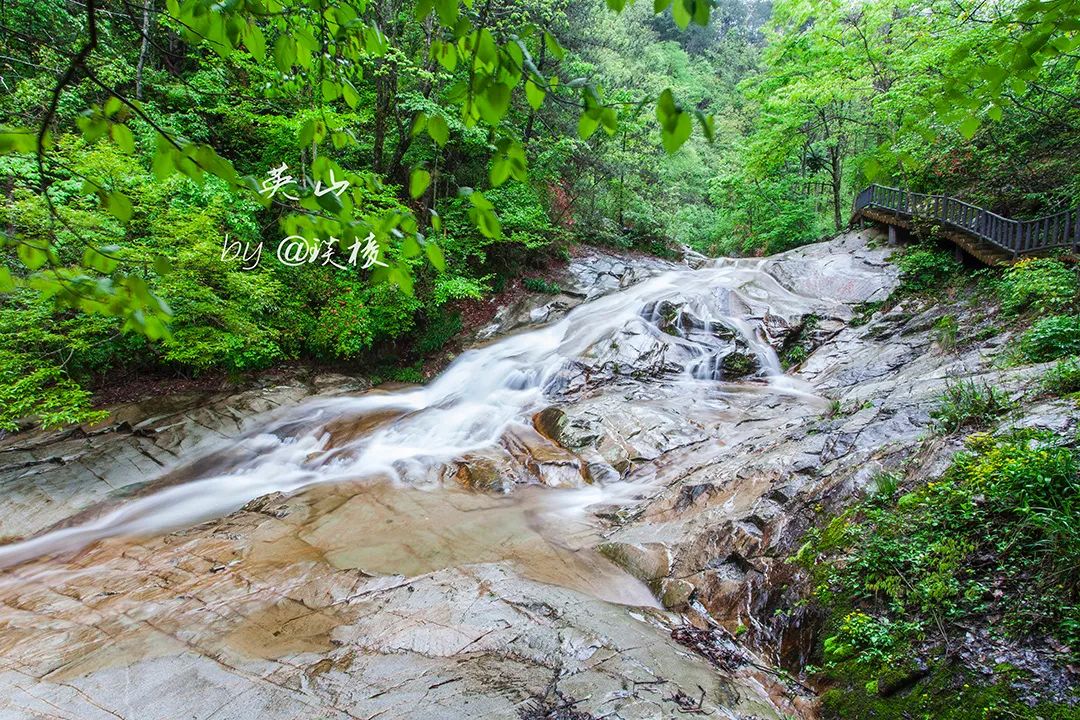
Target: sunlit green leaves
<point x="123" y="138"/>
<point x="284" y="53"/>
<point x="508" y="161"/>
<point x="254" y="40"/>
<point x="969" y="126"/>
<point x="447" y="10"/>
<point x="17" y="141"/>
<point x="685" y="11"/>
<point x="534" y="94"/>
<point x="418" y="182"/>
<point x="32" y="254"/>
<point x="435" y="256"/>
<point x="101" y="259"/>
<point x="119" y="206"/>
<point x="445" y="53"/>
<point x="438" y="130"/>
<point x="554" y="49"/>
<point x="493" y="101"/>
<point x="675" y="122"/>
<point x="482" y="213"/>
<point x="595" y="114"/>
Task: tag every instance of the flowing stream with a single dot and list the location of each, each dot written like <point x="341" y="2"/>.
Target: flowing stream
<point x="539" y="527"/>
<point x="407" y="436"/>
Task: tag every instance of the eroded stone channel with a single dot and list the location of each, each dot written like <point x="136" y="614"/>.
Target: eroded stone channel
<point x="509" y="540"/>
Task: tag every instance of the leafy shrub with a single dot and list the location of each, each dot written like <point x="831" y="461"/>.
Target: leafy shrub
<point x="766" y="215"/>
<point x="1063" y="378"/>
<point x="945" y="330"/>
<point x="455" y="287"/>
<point x="1045" y="285"/>
<point x="540" y="285"/>
<point x="965" y="404"/>
<point x="437" y="332"/>
<point x="925" y="267"/>
<point x="865" y="639"/>
<point x="359" y="319"/>
<point x="1051" y="338"/>
<point x="30" y="387"/>
<point x="1003" y="515"/>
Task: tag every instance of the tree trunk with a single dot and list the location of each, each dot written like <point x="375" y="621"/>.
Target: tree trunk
<point x="836" y="172"/>
<point x="148" y="8"/>
<point x="532" y="113"/>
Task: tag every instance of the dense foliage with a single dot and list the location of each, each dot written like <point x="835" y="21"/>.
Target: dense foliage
<point x="471" y="142"/>
<point x="995" y="536"/>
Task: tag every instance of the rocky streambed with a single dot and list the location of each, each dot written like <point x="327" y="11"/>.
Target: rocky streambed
<point x="585" y="516"/>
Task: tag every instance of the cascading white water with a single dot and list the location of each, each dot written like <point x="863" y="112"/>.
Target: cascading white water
<point x="410" y="434"/>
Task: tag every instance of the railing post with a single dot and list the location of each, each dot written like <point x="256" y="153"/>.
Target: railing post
<point x="1076" y="232"/>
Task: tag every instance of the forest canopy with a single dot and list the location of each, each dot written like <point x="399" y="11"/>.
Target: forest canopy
<point x="429" y="154"/>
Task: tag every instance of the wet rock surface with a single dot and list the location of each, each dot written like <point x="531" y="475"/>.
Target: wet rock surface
<point x="599" y="560"/>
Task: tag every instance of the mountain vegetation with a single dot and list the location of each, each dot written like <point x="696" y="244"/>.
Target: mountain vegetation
<point x="194" y="189"/>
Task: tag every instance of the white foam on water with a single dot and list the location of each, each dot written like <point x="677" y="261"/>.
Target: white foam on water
<point x="471" y="405"/>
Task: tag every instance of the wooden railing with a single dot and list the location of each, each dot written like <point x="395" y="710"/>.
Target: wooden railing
<point x="1016" y="237"/>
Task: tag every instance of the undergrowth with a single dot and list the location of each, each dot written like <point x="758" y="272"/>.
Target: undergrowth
<point x="902" y="579"/>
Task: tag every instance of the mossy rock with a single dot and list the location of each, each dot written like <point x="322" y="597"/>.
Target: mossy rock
<point x="946" y="692"/>
<point x="739" y="365"/>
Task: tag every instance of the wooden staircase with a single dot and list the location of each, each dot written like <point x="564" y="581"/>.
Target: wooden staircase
<point x="991" y="238"/>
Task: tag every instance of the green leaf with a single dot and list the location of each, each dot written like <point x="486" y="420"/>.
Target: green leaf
<point x="969" y="126"/>
<point x="587" y="126"/>
<point x="681" y="14"/>
<point x="112" y="105"/>
<point x="534" y="94"/>
<point x="18" y="141"/>
<point x="419" y="123"/>
<point x="410" y="248"/>
<point x="500" y="170"/>
<point x="418" y="182"/>
<point x="609" y="120"/>
<point x="435" y="256"/>
<point x="486" y="221"/>
<point x="446" y="53"/>
<point x="123" y="138"/>
<point x="331" y="91"/>
<point x="7" y="282"/>
<point x="438" y="130"/>
<point x="284" y="53"/>
<point x="700" y="11"/>
<point x="708" y="125"/>
<point x="553" y="47"/>
<point x="329" y="202"/>
<point x="493" y="103"/>
<point x="32" y="256"/>
<point x="119" y="206"/>
<point x="97" y="260"/>
<point x="255" y="41"/>
<point x="660" y="6"/>
<point x="163" y="163"/>
<point x="447" y="11"/>
<point x="675" y="137"/>
<point x="348" y="92"/>
<point x="93" y="126"/>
